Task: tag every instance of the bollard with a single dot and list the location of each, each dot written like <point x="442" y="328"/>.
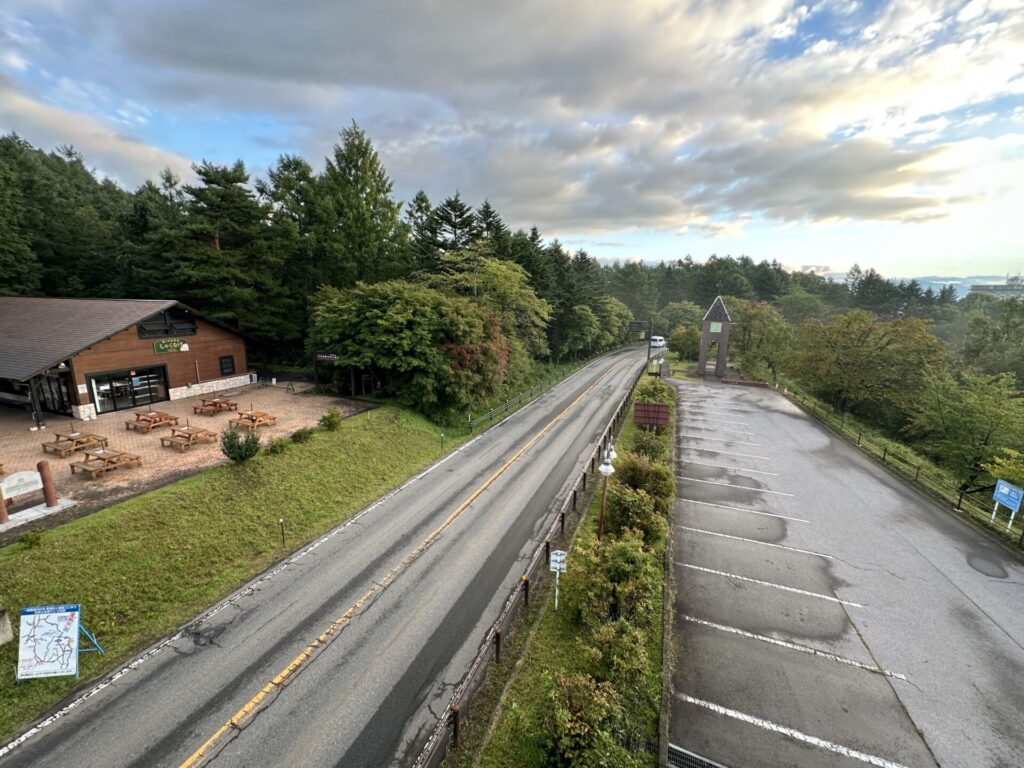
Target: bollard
<point x="497" y="646"/>
<point x="455" y="725"/>
<point x="49" y="492"/>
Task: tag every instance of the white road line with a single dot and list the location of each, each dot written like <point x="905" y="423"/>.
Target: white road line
<point x="797" y="647"/>
<point x="726" y="466"/>
<point x="744" y="509"/>
<point x="755" y="541"/>
<point x="769" y="584"/>
<point x="731" y="485"/>
<point x="838" y="749"/>
<point x="726" y="453"/>
<point x="718" y="439"/>
<point x="719" y="429"/>
<point x="723" y="413"/>
<point x="716" y="421"/>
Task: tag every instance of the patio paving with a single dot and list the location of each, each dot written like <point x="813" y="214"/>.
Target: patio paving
<point x="21" y="449"/>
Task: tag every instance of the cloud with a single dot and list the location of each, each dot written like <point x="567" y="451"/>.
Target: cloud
<point x="582" y="116"/>
<point x="121" y="157"/>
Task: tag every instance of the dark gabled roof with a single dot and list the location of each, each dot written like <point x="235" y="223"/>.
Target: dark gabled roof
<point x="41" y="333"/>
<point x="718" y="312"/>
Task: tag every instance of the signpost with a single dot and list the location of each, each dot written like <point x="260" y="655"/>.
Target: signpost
<point x="1009" y="496"/>
<point x="557" y="564"/>
<point x="48" y="645"/>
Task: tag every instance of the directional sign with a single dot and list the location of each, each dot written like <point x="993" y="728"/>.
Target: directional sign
<point x="557" y="563"/>
<point x="1008" y="495"/>
<point x="637" y="325"/>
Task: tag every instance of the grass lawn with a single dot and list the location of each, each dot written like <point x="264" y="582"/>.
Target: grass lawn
<point x="145" y="566"/>
<point x="517" y="740"/>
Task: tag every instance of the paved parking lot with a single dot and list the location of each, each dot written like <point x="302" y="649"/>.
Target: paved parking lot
<point x="21" y="449"/>
<point x="826" y="615"/>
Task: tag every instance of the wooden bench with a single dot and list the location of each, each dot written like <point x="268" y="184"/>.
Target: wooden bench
<point x="63" y="447"/>
<point x="127" y="459"/>
<point x="205" y="410"/>
<point x="181" y="443"/>
<point x="95" y="469"/>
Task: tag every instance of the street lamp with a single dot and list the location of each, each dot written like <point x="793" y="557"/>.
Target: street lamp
<point x="607" y="470"/>
<point x="611" y="452"/>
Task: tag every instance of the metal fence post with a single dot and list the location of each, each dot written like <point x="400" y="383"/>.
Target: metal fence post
<point x="584" y="478"/>
<point x="455" y="725"/>
<point x="526" y="591"/>
<point x="497" y="645"/>
<point x="918" y="473"/>
<point x="547" y="552"/>
<point x="960" y="500"/>
<point x="885" y="452"/>
<point x="859" y="434"/>
<point x="561" y="520"/>
<point x="573" y="501"/>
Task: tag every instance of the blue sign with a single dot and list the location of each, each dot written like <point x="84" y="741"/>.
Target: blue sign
<point x="1008" y="495"/>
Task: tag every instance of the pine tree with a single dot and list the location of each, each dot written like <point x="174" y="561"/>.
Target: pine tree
<point x="371" y="236"/>
<point x="425" y="230"/>
<point x="493" y="231"/>
<point x="458" y="224"/>
<point x="19" y="268"/>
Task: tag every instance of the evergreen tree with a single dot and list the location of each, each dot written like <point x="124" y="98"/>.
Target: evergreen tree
<point x="458" y="225"/>
<point x="493" y="232"/>
<point x="425" y="233"/>
<point x="371" y="236"/>
<point x="19" y="268"/>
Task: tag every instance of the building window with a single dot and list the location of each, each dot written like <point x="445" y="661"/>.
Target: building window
<point x="227" y="365"/>
<point x="172" y="322"/>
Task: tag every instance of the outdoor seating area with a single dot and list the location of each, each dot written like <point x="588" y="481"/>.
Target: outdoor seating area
<point x="252" y="419"/>
<point x="185" y="437"/>
<point x="66" y="443"/>
<point x="146" y="421"/>
<point x="211" y="406"/>
<point x="100" y="460"/>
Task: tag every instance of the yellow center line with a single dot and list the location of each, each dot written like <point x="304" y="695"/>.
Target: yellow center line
<point x="243" y="715"/>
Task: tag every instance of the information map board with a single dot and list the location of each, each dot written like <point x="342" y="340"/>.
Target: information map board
<point x="48" y="643"/>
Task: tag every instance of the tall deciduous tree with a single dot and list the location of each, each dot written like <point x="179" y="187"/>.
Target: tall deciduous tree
<point x="855" y="358"/>
<point x="965" y="421"/>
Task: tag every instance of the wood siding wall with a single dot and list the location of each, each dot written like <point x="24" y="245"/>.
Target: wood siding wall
<point x="125" y="351"/>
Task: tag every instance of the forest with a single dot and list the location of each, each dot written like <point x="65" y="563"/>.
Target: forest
<point x="449" y="307"/>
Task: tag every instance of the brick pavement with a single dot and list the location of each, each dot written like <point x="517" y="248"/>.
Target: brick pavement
<point x="21" y="449"/>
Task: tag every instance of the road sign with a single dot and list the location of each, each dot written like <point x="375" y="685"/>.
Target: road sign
<point x="637" y="325"/>
<point x="557" y="563"/>
<point x="1008" y="495"/>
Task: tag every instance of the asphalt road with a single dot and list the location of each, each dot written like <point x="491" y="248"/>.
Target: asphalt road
<point x="826" y="614"/>
<point x="372" y="696"/>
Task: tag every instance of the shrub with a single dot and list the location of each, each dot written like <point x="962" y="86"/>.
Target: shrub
<point x="277" y="445"/>
<point x="578" y="723"/>
<point x="331" y="420"/>
<point x="654" y="391"/>
<point x="641" y="474"/>
<point x="633" y="509"/>
<point x="30" y="539"/>
<point x="647" y="443"/>
<point x="619" y="656"/>
<point x="303" y="435"/>
<point x="611" y="580"/>
<point x="238" y="448"/>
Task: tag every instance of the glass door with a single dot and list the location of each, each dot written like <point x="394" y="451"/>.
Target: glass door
<point x="122" y="390"/>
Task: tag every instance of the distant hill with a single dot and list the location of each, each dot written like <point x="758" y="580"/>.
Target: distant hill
<point x="937" y="282"/>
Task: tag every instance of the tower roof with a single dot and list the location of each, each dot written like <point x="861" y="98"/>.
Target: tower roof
<point x="718" y="312"/>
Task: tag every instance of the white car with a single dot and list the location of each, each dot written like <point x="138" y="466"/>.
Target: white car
<point x="657" y="341"/>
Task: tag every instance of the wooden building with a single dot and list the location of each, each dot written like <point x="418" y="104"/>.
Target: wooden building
<point x="83" y="357"/>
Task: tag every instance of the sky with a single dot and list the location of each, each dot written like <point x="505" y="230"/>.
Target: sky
<point x="816" y="134"/>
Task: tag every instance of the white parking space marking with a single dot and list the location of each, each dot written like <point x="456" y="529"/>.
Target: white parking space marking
<point x="719" y="429"/>
<point x="716" y="421"/>
<point x="718" y="439"/>
<point x="731" y="485"/>
<point x="797" y="647"/>
<point x="754" y="541"/>
<point x="726" y="453"/>
<point x="723" y="413"/>
<point x="732" y="469"/>
<point x="744" y="509"/>
<point x="805" y="592"/>
<point x="838" y="749"/>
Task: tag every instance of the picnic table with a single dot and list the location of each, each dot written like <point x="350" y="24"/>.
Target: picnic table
<point x="100" y="460"/>
<point x="185" y="437"/>
<point x="252" y="419"/>
<point x="65" y="443"/>
<point x="213" y="405"/>
<point x="146" y="421"/>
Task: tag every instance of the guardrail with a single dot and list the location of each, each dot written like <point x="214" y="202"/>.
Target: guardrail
<point x="526" y="395"/>
<point x="920" y="475"/>
<point x="446" y="733"/>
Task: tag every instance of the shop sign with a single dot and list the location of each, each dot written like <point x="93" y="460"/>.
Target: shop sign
<point x="170" y="345"/>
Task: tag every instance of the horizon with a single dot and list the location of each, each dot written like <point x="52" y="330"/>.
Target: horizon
<point x="819" y="134"/>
